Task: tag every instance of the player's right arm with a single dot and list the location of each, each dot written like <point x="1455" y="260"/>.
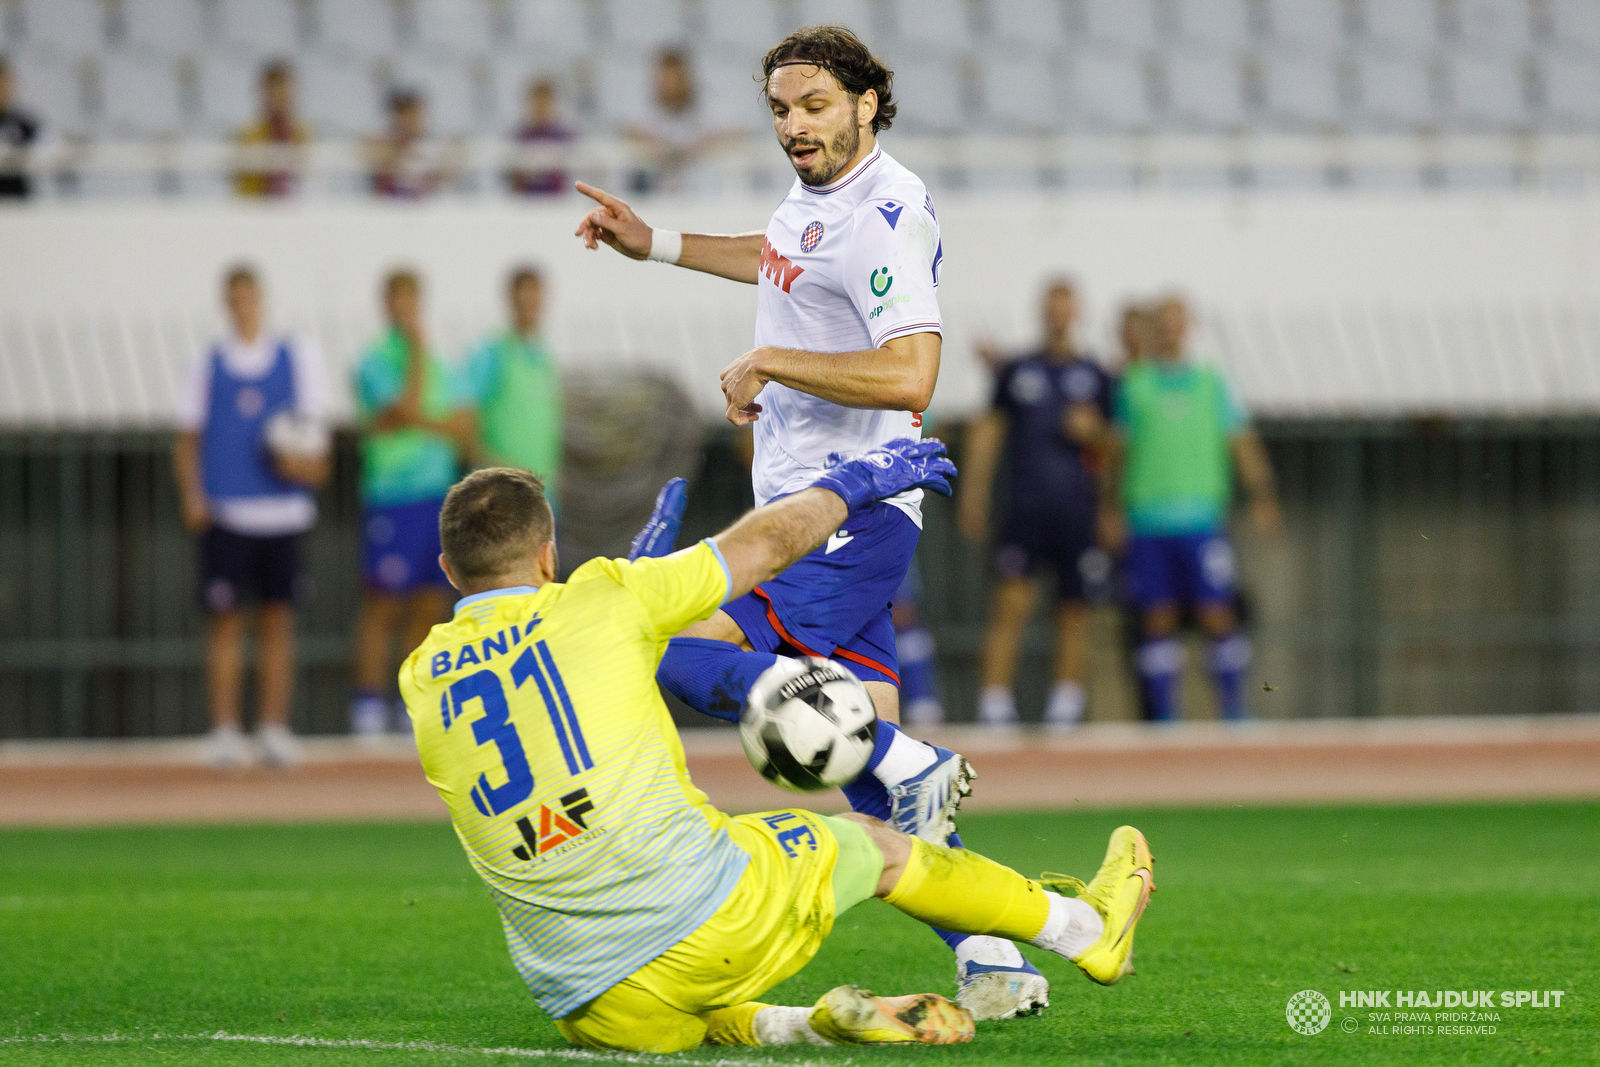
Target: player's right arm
<point x="736" y="256"/>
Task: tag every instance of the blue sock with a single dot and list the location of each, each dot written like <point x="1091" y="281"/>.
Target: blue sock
<point x="1230" y="662"/>
<point x="918" y="680"/>
<point x="866" y="794"/>
<point x="712" y="677"/>
<point x="1160" y="661"/>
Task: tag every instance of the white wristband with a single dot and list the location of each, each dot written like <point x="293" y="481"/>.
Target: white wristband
<point x="665" y="245"/>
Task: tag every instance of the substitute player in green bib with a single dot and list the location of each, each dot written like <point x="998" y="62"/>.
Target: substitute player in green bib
<point x="414" y="429"/>
<point x="1180" y="436"/>
<point x="640" y="916"/>
<point x="516" y="385"/>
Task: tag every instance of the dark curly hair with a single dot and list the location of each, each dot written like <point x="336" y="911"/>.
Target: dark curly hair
<point x="839" y="52"/>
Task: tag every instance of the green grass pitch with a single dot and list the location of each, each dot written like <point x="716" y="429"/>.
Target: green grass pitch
<point x="381" y="934"/>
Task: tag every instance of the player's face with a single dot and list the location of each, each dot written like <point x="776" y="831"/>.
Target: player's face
<point x="277" y="94"/>
<point x="244" y="307"/>
<point x="1060" y="310"/>
<point x="405" y="308"/>
<point x="527" y="300"/>
<point x="1171" y="326"/>
<point x="817" y="122"/>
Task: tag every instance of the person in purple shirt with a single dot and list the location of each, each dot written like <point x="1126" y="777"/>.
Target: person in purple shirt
<point x="1048" y="408"/>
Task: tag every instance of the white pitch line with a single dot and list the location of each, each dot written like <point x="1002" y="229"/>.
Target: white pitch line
<point x="298" y="1040"/>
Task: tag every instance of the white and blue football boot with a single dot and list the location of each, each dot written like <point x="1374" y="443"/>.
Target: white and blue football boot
<point x="993" y="981"/>
<point x="925" y="805"/>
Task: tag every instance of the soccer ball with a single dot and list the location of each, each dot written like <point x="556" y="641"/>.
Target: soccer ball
<point x="808" y="724"/>
<point x="296" y="436"/>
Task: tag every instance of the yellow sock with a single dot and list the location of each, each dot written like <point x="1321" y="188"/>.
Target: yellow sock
<point x="958" y="890"/>
<point x="733" y="1026"/>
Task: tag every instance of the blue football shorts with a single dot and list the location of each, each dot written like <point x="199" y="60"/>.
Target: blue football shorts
<point x="834" y="602"/>
<point x="1193" y="569"/>
<point x="400" y="548"/>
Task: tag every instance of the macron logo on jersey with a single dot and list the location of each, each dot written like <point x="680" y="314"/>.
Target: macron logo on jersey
<point x="891" y="213"/>
<point x="777" y="268"/>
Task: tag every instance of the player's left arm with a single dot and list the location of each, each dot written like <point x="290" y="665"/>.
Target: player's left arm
<point x="899" y="376"/>
<point x="1252" y="466"/>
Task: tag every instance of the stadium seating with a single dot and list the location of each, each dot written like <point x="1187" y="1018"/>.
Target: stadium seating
<point x="111" y="70"/>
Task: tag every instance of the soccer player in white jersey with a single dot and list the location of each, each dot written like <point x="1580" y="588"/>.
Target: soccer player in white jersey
<point x="846" y="358"/>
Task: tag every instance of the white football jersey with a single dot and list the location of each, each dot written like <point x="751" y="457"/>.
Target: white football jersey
<point x="845" y="267"/>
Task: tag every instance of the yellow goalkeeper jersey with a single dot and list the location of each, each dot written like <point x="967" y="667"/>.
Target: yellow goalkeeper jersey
<point x="538" y="719"/>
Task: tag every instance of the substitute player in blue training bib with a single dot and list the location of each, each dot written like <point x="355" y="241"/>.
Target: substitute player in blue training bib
<point x="847" y="354"/>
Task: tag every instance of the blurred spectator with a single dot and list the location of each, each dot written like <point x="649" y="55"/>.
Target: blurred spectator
<point x="405" y="165"/>
<point x="541" y="135"/>
<point x="1049" y="408"/>
<point x="413" y="435"/>
<point x="275" y="140"/>
<point x="1134" y="332"/>
<point x="1180" y="437"/>
<point x="915" y="649"/>
<point x="19" y="132"/>
<point x="251" y="449"/>
<point x="516" y="386"/>
<point x="672" y="132"/>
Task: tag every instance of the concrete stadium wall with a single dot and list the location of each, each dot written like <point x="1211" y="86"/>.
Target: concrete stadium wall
<point x="1316" y="304"/>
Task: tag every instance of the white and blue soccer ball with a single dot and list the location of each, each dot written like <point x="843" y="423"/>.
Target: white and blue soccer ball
<point x="808" y="724"/>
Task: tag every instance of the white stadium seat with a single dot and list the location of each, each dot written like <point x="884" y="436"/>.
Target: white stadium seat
<point x="1576" y="23"/>
<point x="1107" y="91"/>
<point x="229" y="98"/>
<point x="1021" y="94"/>
<point x="164" y="27"/>
<point x="1486" y="91"/>
<point x="1394" y="90"/>
<point x="730" y="93"/>
<point x="339" y="97"/>
<point x="1130" y="23"/>
<point x="552" y="27"/>
<point x="930" y="94"/>
<point x="52" y="88"/>
<point x="1408" y="24"/>
<point x="75" y="27"/>
<point x="1313" y="23"/>
<point x="741" y="27"/>
<point x="1031" y="24"/>
<point x="139" y="97"/>
<point x="447" y="90"/>
<point x="1223" y="23"/>
<point x="933" y="26"/>
<point x="1572" y="90"/>
<point x="855" y="14"/>
<point x="621" y="88"/>
<point x="454" y="27"/>
<point x="647" y="24"/>
<point x="1497" y="25"/>
<point x="1205" y="90"/>
<point x="360" y="28"/>
<point x="261" y="27"/>
<point x="1301" y="89"/>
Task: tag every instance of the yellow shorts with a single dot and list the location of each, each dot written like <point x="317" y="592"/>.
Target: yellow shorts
<point x="769" y="927"/>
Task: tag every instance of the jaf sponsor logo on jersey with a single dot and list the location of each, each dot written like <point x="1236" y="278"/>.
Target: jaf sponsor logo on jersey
<point x="812" y="237"/>
<point x="555" y="827"/>
<point x="778" y="268"/>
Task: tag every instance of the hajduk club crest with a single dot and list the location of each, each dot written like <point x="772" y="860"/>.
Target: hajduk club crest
<point x="812" y="237"/>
